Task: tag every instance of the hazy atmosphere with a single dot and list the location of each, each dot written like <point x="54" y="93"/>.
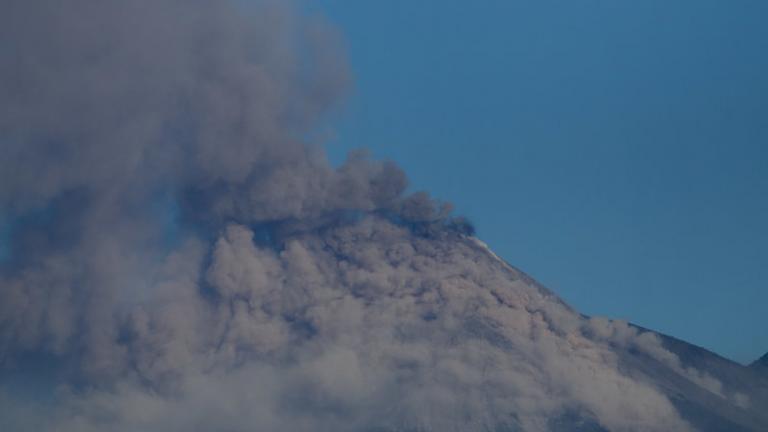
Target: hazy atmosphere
<point x="281" y="216"/>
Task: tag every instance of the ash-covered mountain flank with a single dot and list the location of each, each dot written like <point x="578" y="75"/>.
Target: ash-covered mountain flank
<point x="176" y="256"/>
<point x="367" y="326"/>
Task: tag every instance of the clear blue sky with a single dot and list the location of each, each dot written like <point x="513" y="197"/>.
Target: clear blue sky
<point x="615" y="150"/>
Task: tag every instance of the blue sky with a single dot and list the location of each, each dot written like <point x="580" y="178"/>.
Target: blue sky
<point x="617" y="151"/>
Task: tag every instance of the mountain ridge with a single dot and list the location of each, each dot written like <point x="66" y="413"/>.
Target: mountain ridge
<point x="761" y="363"/>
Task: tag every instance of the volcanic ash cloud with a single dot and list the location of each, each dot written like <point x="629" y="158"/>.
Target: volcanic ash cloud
<point x="182" y="258"/>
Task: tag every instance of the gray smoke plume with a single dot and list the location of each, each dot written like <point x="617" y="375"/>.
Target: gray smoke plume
<point x="183" y="258"/>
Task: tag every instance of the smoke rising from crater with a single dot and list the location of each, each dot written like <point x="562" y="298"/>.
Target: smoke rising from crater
<point x="115" y="113"/>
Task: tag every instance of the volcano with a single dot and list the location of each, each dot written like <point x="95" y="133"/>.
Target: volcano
<point x="178" y="254"/>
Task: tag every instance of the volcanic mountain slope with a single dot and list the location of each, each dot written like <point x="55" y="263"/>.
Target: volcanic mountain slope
<point x="368" y="326"/>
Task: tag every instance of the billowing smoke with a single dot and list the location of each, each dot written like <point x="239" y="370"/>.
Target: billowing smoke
<point x="181" y="257"/>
